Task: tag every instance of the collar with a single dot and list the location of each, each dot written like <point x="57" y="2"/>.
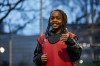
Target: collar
<point x="53" y="37"/>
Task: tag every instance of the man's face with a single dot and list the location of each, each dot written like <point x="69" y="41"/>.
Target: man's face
<point x="56" y="20"/>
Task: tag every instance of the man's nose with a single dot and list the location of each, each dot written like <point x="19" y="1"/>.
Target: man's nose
<point x="54" y="19"/>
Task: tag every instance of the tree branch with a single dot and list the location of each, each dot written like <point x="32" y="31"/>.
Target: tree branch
<point x="21" y="27"/>
<point x="1" y="20"/>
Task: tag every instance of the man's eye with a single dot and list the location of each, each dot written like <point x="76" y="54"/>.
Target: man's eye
<point x="58" y="18"/>
<point x="51" y="18"/>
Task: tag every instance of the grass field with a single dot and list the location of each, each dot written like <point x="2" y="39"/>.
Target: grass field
<point x="88" y="64"/>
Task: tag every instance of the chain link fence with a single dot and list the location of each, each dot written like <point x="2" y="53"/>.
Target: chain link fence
<point x="23" y="51"/>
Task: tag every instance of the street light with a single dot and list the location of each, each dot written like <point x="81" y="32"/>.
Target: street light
<point x="2" y="49"/>
<point x="80" y="61"/>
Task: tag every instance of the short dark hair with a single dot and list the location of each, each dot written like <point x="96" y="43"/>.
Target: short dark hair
<point x="64" y="16"/>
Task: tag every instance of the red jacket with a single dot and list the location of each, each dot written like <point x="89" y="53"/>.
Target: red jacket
<point x="57" y="54"/>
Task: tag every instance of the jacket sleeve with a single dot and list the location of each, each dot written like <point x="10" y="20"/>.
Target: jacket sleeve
<point x="70" y="41"/>
<point x="73" y="49"/>
<point x="37" y="55"/>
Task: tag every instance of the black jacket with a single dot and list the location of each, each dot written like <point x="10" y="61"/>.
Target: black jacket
<point x="73" y="50"/>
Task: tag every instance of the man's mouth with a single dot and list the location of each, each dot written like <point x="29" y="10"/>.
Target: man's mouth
<point x="54" y="24"/>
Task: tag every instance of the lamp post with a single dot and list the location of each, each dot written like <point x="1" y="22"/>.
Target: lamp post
<point x="10" y="46"/>
<point x="41" y="21"/>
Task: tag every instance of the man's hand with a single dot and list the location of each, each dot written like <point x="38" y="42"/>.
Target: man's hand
<point x="65" y="36"/>
<point x="44" y="58"/>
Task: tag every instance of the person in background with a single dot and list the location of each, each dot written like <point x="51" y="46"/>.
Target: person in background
<point x="57" y="47"/>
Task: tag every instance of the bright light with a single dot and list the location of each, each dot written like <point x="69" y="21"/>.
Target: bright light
<point x="2" y="50"/>
<point x="84" y="44"/>
<point x="88" y="45"/>
<point x="81" y="61"/>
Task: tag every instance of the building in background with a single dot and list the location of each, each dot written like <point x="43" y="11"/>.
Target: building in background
<point x="23" y="46"/>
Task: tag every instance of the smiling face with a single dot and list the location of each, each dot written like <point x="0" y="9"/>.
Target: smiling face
<point x="56" y="20"/>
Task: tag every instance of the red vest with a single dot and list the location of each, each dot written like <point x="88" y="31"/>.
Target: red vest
<point x="57" y="54"/>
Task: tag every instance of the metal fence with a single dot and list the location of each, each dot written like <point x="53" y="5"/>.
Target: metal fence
<point x="90" y="53"/>
<point x="23" y="51"/>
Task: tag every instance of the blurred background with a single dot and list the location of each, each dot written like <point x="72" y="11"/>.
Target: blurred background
<point x="23" y="21"/>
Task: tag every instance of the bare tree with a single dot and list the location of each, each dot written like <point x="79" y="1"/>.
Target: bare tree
<point x="9" y="5"/>
<point x="17" y="6"/>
